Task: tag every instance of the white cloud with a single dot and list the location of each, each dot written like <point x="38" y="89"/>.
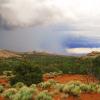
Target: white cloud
<point x="80" y="16"/>
<point x="28" y="12"/>
<point x="81" y="50"/>
<point x="78" y="13"/>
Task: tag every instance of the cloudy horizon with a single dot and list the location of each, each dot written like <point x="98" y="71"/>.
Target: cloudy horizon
<point x="60" y="26"/>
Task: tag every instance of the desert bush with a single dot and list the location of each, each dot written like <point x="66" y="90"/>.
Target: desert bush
<point x="8" y="73"/>
<point x="1" y="88"/>
<point x="48" y="84"/>
<point x="59" y="87"/>
<point x="76" y="88"/>
<point x="60" y="72"/>
<point x="76" y="91"/>
<point x="44" y="85"/>
<point x="9" y="93"/>
<point x="52" y="82"/>
<point x="72" y="88"/>
<point x="25" y="93"/>
<point x="98" y="90"/>
<point x="93" y="87"/>
<point x="44" y="96"/>
<point x="85" y="88"/>
<point x="56" y="73"/>
<point x="19" y="85"/>
<point x="66" y="89"/>
<point x="33" y="86"/>
<point x="88" y="87"/>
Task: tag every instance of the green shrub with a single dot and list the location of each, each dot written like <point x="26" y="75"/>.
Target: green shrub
<point x="72" y="88"/>
<point x="44" y="85"/>
<point x="1" y="88"/>
<point x="96" y="67"/>
<point x="59" y="87"/>
<point x="52" y="82"/>
<point x="85" y="88"/>
<point x="33" y="86"/>
<point x="93" y="87"/>
<point x="9" y="93"/>
<point x="76" y="91"/>
<point x="25" y="93"/>
<point x="88" y="87"/>
<point x="19" y="85"/>
<point x="27" y="73"/>
<point x="67" y="88"/>
<point x="48" y="84"/>
<point x="8" y="73"/>
<point x="44" y="96"/>
<point x="98" y="90"/>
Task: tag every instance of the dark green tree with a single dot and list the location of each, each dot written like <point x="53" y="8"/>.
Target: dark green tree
<point x="96" y="67"/>
<point x="27" y="74"/>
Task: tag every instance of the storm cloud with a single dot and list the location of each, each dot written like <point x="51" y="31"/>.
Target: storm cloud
<point x="52" y="25"/>
<point x="28" y="12"/>
<point x="78" y="14"/>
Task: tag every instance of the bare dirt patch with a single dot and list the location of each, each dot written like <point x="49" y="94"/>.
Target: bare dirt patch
<point x="69" y="77"/>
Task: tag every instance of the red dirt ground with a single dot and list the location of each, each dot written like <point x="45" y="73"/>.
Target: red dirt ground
<point x="1" y="98"/>
<point x="4" y="82"/>
<point x="82" y="78"/>
<point x="92" y="96"/>
<point x="70" y="77"/>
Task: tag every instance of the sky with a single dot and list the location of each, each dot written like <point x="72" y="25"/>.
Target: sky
<point x="57" y="26"/>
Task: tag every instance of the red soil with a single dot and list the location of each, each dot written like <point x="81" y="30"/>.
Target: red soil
<point x="91" y="96"/>
<point x="82" y="78"/>
<point x="4" y="82"/>
<point x="69" y="77"/>
<point x="1" y="98"/>
<point x="86" y="97"/>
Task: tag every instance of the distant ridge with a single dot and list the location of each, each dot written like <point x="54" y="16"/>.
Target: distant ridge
<point x="41" y="53"/>
<point x="93" y="54"/>
<point x="8" y="54"/>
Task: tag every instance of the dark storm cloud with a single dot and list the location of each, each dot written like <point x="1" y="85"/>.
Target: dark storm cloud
<point x="52" y="25"/>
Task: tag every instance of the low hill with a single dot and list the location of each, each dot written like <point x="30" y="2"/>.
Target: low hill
<point x="94" y="54"/>
<point x="8" y="54"/>
<point x="41" y="53"/>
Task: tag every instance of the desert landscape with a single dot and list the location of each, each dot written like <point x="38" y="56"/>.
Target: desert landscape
<point x="44" y="76"/>
<point x="49" y="49"/>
